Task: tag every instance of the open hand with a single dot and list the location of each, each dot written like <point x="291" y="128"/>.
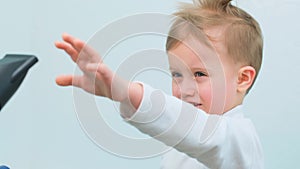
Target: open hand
<point x="97" y="78"/>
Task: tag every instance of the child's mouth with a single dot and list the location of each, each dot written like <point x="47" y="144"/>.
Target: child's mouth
<point x="198" y="105"/>
<point x="195" y="104"/>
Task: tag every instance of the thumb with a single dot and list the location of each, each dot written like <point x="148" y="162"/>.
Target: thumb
<point x="64" y="80"/>
<point x="68" y="80"/>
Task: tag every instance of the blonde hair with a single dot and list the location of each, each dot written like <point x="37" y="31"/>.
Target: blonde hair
<point x="242" y="37"/>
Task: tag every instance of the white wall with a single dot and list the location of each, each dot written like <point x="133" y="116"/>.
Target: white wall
<point x="39" y="127"/>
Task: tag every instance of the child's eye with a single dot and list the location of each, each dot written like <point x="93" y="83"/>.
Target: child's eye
<point x="176" y="74"/>
<point x="199" y="74"/>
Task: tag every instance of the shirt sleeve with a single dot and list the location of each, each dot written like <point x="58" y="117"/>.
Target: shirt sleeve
<point x="216" y="141"/>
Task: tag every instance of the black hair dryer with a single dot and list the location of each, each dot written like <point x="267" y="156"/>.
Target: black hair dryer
<point x="13" y="69"/>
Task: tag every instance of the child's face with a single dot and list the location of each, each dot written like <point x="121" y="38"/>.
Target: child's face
<point x="204" y="80"/>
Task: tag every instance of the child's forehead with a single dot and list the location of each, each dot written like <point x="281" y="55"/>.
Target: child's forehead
<point x="197" y="55"/>
<point x="194" y="50"/>
<point x="183" y="55"/>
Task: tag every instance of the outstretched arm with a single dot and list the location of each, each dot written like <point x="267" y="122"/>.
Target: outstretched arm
<point x="97" y="78"/>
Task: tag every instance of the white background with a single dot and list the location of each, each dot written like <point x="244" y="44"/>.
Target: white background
<point x="39" y="128"/>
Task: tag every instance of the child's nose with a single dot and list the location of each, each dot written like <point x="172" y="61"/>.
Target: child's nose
<point x="188" y="88"/>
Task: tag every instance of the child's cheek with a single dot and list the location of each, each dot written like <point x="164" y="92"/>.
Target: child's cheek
<point x="176" y="90"/>
<point x="205" y="95"/>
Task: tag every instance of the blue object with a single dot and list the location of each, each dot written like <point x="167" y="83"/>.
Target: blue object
<point x="3" y="167"/>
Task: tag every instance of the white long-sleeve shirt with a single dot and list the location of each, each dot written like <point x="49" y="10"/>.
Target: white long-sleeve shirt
<point x="199" y="140"/>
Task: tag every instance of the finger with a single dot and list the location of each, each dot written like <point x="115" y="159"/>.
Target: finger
<point x="68" y="49"/>
<point x="64" y="80"/>
<point x="68" y="80"/>
<point x="91" y="53"/>
<point x="83" y="50"/>
<point x="76" y="43"/>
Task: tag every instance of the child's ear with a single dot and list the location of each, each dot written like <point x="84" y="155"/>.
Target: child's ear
<point x="246" y="77"/>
